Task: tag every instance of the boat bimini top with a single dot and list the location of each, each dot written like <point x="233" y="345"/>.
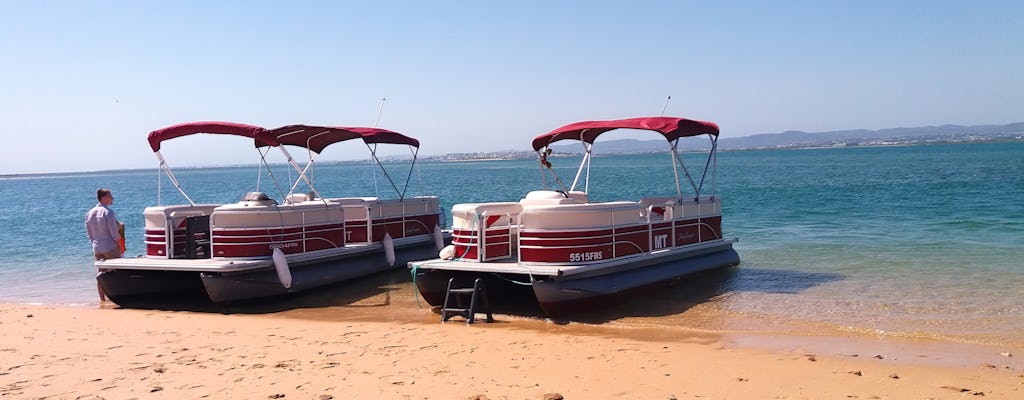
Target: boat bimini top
<point x="586" y="132"/>
<point x="312" y="138"/>
<point x="316" y="138"/>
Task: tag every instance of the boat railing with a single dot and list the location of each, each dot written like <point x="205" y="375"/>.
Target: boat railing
<point x="485" y="231"/>
<point x="593" y="232"/>
<point x="255" y="229"/>
<point x="396" y="217"/>
<point x="581" y="233"/>
<point x="167" y="230"/>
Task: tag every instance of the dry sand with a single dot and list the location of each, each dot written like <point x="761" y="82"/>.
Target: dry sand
<point x="111" y="353"/>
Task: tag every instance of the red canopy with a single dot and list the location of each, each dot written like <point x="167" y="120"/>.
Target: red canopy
<point x="588" y="131"/>
<point x="224" y="128"/>
<point x="316" y="138"/>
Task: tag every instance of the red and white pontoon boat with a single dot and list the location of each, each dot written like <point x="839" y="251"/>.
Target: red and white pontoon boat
<point x="258" y="247"/>
<point x="571" y="254"/>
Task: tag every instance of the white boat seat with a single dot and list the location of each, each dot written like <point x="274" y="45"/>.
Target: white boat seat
<point x="551" y="197"/>
<point x="296" y="198"/>
<point x="464" y="216"/>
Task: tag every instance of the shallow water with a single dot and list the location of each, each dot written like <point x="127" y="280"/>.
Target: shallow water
<point x="921" y="242"/>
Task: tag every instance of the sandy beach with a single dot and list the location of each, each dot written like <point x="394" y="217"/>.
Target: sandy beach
<point x="112" y="353"/>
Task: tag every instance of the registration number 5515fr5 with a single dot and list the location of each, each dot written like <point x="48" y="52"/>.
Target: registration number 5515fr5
<point x="586" y="256"/>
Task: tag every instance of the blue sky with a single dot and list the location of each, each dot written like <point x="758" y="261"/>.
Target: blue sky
<point x="83" y="82"/>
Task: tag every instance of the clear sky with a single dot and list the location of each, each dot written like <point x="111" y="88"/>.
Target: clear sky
<point x="83" y="82"/>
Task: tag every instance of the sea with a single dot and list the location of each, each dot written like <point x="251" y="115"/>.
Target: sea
<point x="921" y="242"/>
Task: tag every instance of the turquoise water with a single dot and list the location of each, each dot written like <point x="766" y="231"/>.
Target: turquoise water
<point x="921" y="241"/>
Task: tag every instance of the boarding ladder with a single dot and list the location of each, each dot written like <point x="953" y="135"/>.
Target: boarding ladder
<point x="455" y="302"/>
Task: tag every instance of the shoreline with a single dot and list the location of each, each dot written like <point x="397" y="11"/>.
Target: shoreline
<point x="66" y="352"/>
<point x="391" y="298"/>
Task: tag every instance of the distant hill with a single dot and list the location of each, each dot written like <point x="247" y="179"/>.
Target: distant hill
<point x="793" y="139"/>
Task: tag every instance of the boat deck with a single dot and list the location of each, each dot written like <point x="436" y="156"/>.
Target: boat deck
<point x="513" y="266"/>
<point x="183" y="264"/>
<point x="221" y="264"/>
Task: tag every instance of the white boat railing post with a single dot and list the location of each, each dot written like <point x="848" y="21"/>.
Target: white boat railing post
<point x="670" y="209"/>
<point x="519" y="235"/>
<point x="369" y="224"/>
<point x="614" y="228"/>
<point x="508" y="221"/>
<point x="302" y="236"/>
<point x="168" y="236"/>
<point x="650" y="229"/>
<point x="482" y="234"/>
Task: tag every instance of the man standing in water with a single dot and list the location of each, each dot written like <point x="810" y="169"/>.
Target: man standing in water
<point x="104" y="231"/>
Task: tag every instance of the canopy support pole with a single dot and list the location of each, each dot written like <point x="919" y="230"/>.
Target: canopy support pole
<point x="714" y="143"/>
<point x="714" y="164"/>
<point x="159" y="186"/>
<point x="373" y="152"/>
<point x="675" y="169"/>
<point x="419" y="175"/>
<point x="412" y="167"/>
<point x="686" y="171"/>
<point x="170" y="175"/>
<point x="302" y="173"/>
<point x="583" y="163"/>
<point x="543" y="153"/>
<point x="543" y="177"/>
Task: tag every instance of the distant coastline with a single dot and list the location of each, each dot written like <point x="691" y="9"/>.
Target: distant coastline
<point x="632" y="146"/>
<point x="945" y="134"/>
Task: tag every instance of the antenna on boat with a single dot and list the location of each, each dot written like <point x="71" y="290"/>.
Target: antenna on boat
<point x="675" y="156"/>
<point x="379" y="111"/>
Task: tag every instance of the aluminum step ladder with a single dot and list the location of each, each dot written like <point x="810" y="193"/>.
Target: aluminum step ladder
<point x="455" y="302"/>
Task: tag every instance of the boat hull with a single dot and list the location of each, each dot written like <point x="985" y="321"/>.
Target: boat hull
<point x="231" y="287"/>
<point x="559" y="295"/>
<point x="506" y="293"/>
<point x="126" y="286"/>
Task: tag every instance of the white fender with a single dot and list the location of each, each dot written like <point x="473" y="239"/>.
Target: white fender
<point x="281" y="264"/>
<point x="438" y="238"/>
<point x="447" y="253"/>
<point x="389" y="249"/>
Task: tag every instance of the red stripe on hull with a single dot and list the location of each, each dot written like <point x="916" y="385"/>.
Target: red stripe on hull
<point x="594" y="245"/>
<point x="405" y="226"/>
<point x="261" y="246"/>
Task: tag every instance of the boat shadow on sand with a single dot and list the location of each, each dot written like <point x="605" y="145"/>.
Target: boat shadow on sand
<point x="695" y="289"/>
<point x="384" y="292"/>
<point x="373" y="291"/>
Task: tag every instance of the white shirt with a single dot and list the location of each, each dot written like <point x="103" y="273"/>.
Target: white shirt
<point x="102" y="227"/>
